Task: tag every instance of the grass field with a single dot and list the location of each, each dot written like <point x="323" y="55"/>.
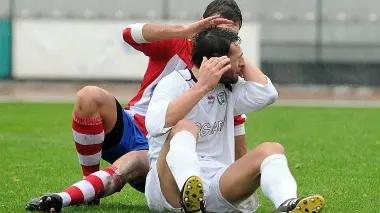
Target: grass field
<point x="332" y="151"/>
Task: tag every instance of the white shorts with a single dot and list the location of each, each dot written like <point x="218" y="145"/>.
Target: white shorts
<point x="211" y="171"/>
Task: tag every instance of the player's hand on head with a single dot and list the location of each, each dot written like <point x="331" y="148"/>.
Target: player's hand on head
<point x="214" y="21"/>
<point x="210" y="22"/>
<point x="211" y="71"/>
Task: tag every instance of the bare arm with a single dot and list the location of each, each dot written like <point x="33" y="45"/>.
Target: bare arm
<point x="240" y="146"/>
<point x="254" y="74"/>
<point x="180" y="107"/>
<point x="172" y="100"/>
<point x="209" y="75"/>
<point x="156" y="32"/>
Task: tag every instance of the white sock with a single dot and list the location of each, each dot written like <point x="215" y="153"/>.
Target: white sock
<point x="277" y="183"/>
<point x="182" y="158"/>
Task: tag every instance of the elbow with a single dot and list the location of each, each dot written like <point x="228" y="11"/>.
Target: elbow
<point x="127" y="36"/>
<point x="152" y="129"/>
<point x="272" y="96"/>
<point x="150" y="124"/>
<point x="133" y="34"/>
<point x="266" y="98"/>
<point x="149" y="127"/>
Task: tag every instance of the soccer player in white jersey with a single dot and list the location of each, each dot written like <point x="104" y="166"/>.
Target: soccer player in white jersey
<point x="191" y="137"/>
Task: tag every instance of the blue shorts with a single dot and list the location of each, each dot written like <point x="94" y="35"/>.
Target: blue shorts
<point x="123" y="138"/>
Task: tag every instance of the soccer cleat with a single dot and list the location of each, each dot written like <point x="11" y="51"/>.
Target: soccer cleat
<point x="33" y="205"/>
<point x="308" y="204"/>
<point x="50" y="203"/>
<point x="192" y="196"/>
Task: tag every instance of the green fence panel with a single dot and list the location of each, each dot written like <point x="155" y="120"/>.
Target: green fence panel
<point x="5" y="48"/>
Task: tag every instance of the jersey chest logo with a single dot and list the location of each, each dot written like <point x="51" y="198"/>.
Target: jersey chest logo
<point x="222" y="98"/>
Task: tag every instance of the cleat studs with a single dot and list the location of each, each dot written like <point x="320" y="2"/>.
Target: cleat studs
<point x="189" y="187"/>
<point x="199" y="185"/>
<point x="305" y="202"/>
<point x="194" y="195"/>
<point x="298" y="207"/>
<point x="48" y="199"/>
<point x="200" y="199"/>
<point x="318" y="208"/>
<point x="200" y="191"/>
<point x="312" y="199"/>
<point x="186" y="199"/>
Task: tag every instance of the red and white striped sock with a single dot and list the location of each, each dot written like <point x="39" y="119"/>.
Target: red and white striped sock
<point x="88" y="135"/>
<point x="91" y="187"/>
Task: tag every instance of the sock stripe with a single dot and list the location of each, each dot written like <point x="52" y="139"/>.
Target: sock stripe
<point x="97" y="183"/>
<point x="66" y="199"/>
<point x="90" y="160"/>
<point x="87" y="138"/>
<point x="103" y="176"/>
<point x="110" y="170"/>
<point x="88" y="149"/>
<point x="87" y="170"/>
<point x="86" y="121"/>
<point x="87" y="190"/>
<point x="76" y="195"/>
<point x="88" y="129"/>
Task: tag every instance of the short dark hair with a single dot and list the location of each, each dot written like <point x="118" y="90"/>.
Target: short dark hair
<point x="227" y="9"/>
<point x="212" y="42"/>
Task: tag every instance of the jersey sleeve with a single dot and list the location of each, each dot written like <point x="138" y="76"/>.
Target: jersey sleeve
<point x="251" y="96"/>
<point x="163" y="49"/>
<point x="167" y="90"/>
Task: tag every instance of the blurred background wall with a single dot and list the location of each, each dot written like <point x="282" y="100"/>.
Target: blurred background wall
<point x="302" y="42"/>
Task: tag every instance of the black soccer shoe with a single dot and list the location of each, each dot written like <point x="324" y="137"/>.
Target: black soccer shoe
<point x="49" y="203"/>
<point x="308" y="204"/>
<point x="33" y="205"/>
<point x="192" y="196"/>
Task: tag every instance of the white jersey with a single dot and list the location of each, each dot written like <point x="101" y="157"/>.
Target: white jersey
<point x="213" y="115"/>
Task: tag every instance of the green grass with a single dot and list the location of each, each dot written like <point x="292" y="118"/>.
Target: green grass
<point x="332" y="151"/>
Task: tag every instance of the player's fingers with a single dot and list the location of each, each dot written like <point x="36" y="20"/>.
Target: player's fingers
<point x="211" y="18"/>
<point x="207" y="22"/>
<point x="206" y="65"/>
<point x="218" y="60"/>
<point x="219" y="21"/>
<point x="224" y="69"/>
<point x="212" y="61"/>
<point x="204" y="60"/>
<point x="222" y="63"/>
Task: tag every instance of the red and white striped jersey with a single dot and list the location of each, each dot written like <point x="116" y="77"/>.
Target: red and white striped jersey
<point x="165" y="56"/>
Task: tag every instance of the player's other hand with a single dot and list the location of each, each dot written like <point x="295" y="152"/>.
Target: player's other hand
<point x="211" y="71"/>
<point x="213" y="21"/>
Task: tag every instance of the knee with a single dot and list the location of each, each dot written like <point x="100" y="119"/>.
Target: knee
<point x="270" y="148"/>
<point x="133" y="171"/>
<point x="90" y="97"/>
<point x="186" y="125"/>
<point x="87" y="94"/>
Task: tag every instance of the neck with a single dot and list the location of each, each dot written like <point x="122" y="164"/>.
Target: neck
<point x="195" y="72"/>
